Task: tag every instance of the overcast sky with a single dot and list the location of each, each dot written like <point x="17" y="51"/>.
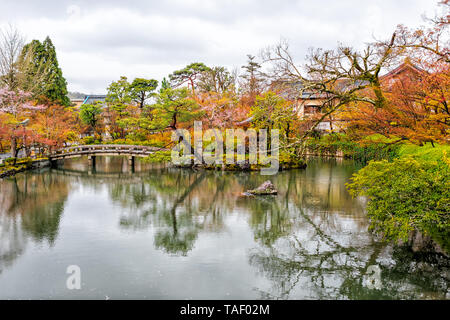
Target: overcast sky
<point x="98" y="41"/>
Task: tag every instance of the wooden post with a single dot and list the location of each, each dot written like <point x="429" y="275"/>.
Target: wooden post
<point x="91" y="160"/>
<point x="53" y="163"/>
<point x="131" y="163"/>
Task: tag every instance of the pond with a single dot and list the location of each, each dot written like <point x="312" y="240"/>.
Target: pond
<point x="167" y="233"/>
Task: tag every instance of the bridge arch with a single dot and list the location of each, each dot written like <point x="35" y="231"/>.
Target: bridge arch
<point x="92" y="151"/>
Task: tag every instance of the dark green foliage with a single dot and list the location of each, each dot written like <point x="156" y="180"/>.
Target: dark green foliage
<point x="174" y="106"/>
<point x="122" y="93"/>
<point x="407" y="194"/>
<point x="119" y="95"/>
<point x="52" y="85"/>
<point x="188" y="74"/>
<point x="142" y="89"/>
<point x="165" y="84"/>
<point x="92" y="140"/>
<point x="89" y="114"/>
<point x="127" y="141"/>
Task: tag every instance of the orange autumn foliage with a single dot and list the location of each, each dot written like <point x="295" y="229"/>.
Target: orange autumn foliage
<point x="417" y="108"/>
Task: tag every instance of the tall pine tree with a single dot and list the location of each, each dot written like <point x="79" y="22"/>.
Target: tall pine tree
<point x="253" y="78"/>
<point x="39" y="64"/>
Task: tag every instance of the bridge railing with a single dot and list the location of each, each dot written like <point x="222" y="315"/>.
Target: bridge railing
<point x="104" y="148"/>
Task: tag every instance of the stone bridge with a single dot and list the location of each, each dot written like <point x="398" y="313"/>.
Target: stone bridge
<point x="92" y="151"/>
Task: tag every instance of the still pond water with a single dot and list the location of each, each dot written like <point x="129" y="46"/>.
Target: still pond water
<point x="165" y="233"/>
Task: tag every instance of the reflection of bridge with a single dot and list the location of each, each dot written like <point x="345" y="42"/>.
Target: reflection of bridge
<point x="122" y="176"/>
<point x="91" y="151"/>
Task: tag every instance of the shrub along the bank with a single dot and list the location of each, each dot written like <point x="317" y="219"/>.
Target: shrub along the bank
<point x="409" y="193"/>
<point x="151" y="143"/>
<point x="148" y="143"/>
<point x="158" y="156"/>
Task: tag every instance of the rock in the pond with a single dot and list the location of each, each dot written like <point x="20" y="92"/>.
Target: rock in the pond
<point x="267" y="188"/>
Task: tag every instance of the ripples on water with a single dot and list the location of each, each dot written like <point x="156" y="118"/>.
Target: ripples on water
<point x="165" y="233"/>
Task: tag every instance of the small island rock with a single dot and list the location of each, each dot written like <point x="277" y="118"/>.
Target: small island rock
<point x="267" y="188"/>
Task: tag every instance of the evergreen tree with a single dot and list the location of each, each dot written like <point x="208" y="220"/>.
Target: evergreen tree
<point x="165" y="84"/>
<point x="41" y="73"/>
<point x="119" y="94"/>
<point x="253" y="77"/>
<point x="188" y="75"/>
<point x="142" y="89"/>
<point x="216" y="79"/>
<point x="56" y="86"/>
<point x="174" y="107"/>
<point x="89" y="114"/>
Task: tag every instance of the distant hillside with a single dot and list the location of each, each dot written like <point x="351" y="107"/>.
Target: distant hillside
<point x="76" y="95"/>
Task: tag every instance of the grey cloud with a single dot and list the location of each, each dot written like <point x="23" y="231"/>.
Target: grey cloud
<point x="97" y="41"/>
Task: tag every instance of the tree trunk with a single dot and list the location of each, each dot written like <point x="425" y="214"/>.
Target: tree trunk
<point x="15" y="154"/>
<point x="174" y="122"/>
<point x="192" y="85"/>
<point x="13" y="146"/>
<point x="141" y="104"/>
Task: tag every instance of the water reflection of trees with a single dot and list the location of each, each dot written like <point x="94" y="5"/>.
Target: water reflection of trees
<point x="338" y="272"/>
<point x="312" y="259"/>
<point x="12" y="239"/>
<point x="311" y="239"/>
<point x="31" y="206"/>
<point x="170" y="198"/>
<point x="172" y="206"/>
<point x="312" y="236"/>
<point x="328" y="251"/>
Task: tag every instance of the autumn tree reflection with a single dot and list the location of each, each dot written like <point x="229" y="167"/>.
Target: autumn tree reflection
<point x="31" y="207"/>
<point x="327" y="253"/>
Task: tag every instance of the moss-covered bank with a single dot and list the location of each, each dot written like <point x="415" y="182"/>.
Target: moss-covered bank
<point x="7" y="169"/>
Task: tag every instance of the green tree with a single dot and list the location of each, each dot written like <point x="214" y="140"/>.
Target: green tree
<point x="89" y="114"/>
<point x="253" y="77"/>
<point x="174" y="106"/>
<point x="271" y="111"/>
<point x="142" y="89"/>
<point x="119" y="94"/>
<point x="189" y="74"/>
<point x="56" y="85"/>
<point x="40" y="73"/>
<point x="216" y="79"/>
<point x="165" y="84"/>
